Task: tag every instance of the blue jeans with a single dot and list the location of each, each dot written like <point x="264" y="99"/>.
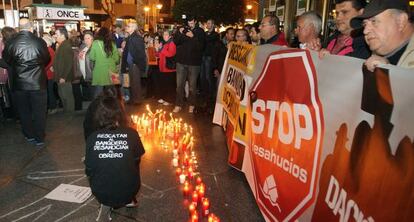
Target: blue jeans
<point x="124" y="91"/>
<point x="190" y="73"/>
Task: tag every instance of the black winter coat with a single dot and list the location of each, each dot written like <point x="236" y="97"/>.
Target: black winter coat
<point x="27" y="56"/>
<point x="135" y="46"/>
<point x="190" y="50"/>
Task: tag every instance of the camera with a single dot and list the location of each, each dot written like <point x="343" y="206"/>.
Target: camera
<point x="186" y="29"/>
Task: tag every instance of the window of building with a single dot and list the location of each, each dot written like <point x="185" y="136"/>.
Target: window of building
<point x="40" y="1"/>
<point x="166" y="6"/>
<point x="118" y="1"/>
<point x="72" y="2"/>
<point x="97" y="5"/>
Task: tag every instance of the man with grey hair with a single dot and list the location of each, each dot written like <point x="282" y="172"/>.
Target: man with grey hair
<point x="135" y="59"/>
<point x="27" y="56"/>
<point x="389" y="32"/>
<point x="308" y="28"/>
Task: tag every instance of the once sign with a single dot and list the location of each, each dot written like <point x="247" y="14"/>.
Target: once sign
<point x="287" y="127"/>
<point x="59" y="13"/>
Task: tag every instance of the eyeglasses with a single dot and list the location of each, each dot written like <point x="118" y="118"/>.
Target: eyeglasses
<point x="264" y="24"/>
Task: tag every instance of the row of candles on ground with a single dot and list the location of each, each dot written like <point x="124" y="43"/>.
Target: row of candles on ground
<point x="178" y="134"/>
<point x="156" y="124"/>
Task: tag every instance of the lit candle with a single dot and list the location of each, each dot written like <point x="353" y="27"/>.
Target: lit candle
<point x="201" y="192"/>
<point x="186" y="160"/>
<point x="213" y="218"/>
<point x="178" y="171"/>
<point x="195" y="197"/>
<point x="175" y="162"/>
<point x="206" y="207"/>
<point x="191" y="209"/>
<point x="186" y="188"/>
<point x="175" y="153"/>
<point x="199" y="180"/>
<point x="182" y="178"/>
<point x="194" y="217"/>
<point x="190" y="173"/>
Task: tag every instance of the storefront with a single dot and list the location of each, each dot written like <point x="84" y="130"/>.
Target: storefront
<point x="46" y="16"/>
<point x="288" y="10"/>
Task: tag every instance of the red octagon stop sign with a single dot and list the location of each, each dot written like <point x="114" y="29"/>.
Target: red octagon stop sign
<point x="287" y="130"/>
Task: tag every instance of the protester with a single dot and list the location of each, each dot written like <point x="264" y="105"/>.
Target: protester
<point x="346" y="40"/>
<point x="228" y="36"/>
<point x="255" y="33"/>
<point x="148" y="80"/>
<point x="6" y="103"/>
<point x="270" y="33"/>
<point x="85" y="64"/>
<point x="389" y="32"/>
<point x="114" y="174"/>
<point x="77" y="76"/>
<point x="242" y="36"/>
<point x="52" y="104"/>
<point x="308" y="28"/>
<point x="105" y="56"/>
<point x="190" y="45"/>
<point x="135" y="59"/>
<point x="166" y="83"/>
<point x="63" y="68"/>
<point x="118" y="36"/>
<point x="27" y="57"/>
<point x="206" y="78"/>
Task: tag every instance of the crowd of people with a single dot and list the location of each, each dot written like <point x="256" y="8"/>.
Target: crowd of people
<point x="180" y="68"/>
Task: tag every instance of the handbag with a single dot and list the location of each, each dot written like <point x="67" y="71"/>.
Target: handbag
<point x="170" y="62"/>
<point x="114" y="77"/>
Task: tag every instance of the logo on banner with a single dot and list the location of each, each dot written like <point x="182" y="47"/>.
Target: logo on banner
<point x="270" y="191"/>
<point x="287" y="127"/>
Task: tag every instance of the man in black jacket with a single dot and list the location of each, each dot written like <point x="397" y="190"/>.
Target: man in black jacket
<point x="190" y="45"/>
<point x="135" y="59"/>
<point x="207" y="80"/>
<point x="27" y="56"/>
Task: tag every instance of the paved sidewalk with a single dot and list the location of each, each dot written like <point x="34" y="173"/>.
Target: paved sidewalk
<point x="28" y="173"/>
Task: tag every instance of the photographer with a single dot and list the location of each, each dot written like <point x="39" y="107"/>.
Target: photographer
<point x="190" y="42"/>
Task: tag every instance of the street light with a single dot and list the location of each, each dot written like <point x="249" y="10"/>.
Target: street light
<point x="249" y="7"/>
<point x="146" y="18"/>
<point x="158" y="7"/>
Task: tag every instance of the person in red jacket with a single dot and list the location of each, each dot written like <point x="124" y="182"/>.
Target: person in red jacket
<point x="270" y="33"/>
<point x="166" y="82"/>
<point x="51" y="97"/>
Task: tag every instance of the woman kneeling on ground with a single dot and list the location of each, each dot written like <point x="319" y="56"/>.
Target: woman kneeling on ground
<point x="113" y="154"/>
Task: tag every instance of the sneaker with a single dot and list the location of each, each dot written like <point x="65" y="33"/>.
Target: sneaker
<point x="104" y="213"/>
<point x="177" y="109"/>
<point x="52" y="111"/>
<point x="134" y="203"/>
<point x="165" y="103"/>
<point x="40" y="144"/>
<point x="161" y="101"/>
<point x="191" y="109"/>
<point x="30" y="140"/>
